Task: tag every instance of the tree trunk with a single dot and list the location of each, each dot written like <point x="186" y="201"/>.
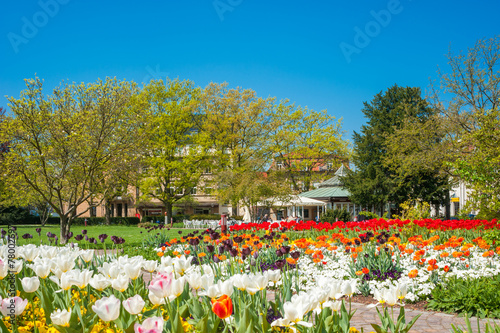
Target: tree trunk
<point x="447" y="206"/>
<point x="168" y="209"/>
<point x="107" y="212"/>
<point x="65" y="227"/>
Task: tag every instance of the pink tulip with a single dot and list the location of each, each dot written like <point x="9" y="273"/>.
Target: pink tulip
<point x="150" y="325"/>
<point x="161" y="284"/>
<point x="13" y="306"/>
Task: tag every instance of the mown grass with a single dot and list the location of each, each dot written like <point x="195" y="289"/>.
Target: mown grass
<point x="133" y="235"/>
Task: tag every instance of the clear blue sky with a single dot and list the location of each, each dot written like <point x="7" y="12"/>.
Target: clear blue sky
<point x="288" y="49"/>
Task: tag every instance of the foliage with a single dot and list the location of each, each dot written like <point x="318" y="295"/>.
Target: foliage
<point x="177" y="153"/>
<point x="488" y="327"/>
<point x="411" y="210"/>
<point x="333" y="215"/>
<point x="12" y="215"/>
<point x="234" y="123"/>
<point x="365" y="215"/>
<point x="372" y="182"/>
<point x="380" y="264"/>
<point x="64" y="146"/>
<point x="306" y="144"/>
<point x="389" y="326"/>
<point x="474" y="296"/>
<point x="204" y="217"/>
<point x="478" y="167"/>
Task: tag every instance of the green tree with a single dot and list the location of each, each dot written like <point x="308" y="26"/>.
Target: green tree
<point x="305" y="144"/>
<point x="177" y="153"/>
<point x="446" y="143"/>
<point x="235" y="125"/>
<point x="479" y="165"/>
<point x="373" y="183"/>
<point x="64" y="146"/>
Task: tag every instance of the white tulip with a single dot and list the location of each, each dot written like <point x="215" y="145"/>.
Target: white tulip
<point x="99" y="282"/>
<point x="132" y="270"/>
<point x="150" y="265"/>
<point x="120" y="283"/>
<point x="61" y="318"/>
<point x="134" y="305"/>
<point x="30" y="284"/>
<point x="87" y="255"/>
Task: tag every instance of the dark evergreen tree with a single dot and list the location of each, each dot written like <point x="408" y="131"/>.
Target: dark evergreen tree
<point x="373" y="182"/>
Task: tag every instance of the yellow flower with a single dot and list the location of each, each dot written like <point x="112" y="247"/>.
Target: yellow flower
<point x="353" y="330"/>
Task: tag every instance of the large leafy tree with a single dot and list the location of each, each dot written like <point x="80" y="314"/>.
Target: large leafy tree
<point x="373" y="182"/>
<point x="177" y="153"/>
<point x="64" y="146"/>
<point x="448" y="142"/>
<point x="306" y="144"/>
<point x="235" y="125"/>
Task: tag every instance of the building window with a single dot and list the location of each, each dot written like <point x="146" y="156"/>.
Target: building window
<point x="137" y="192"/>
<point x="119" y="208"/>
<point x="93" y="211"/>
<point x="306" y="213"/>
<point x="279" y="165"/>
<point x="194" y="191"/>
<point x="203" y="211"/>
<point x="125" y="210"/>
<point x="112" y="210"/>
<point x="208" y="171"/>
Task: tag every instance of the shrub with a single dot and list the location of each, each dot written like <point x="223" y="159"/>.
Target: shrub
<point x="477" y="297"/>
<point x="146" y="224"/>
<point x="102" y="220"/>
<point x="364" y="215"/>
<point x="333" y="215"/>
<point x="414" y="210"/>
<point x="205" y="217"/>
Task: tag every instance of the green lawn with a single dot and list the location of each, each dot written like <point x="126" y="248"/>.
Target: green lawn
<point x="133" y="235"/>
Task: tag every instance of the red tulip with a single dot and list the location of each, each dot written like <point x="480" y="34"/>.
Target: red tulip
<point x="222" y="307"/>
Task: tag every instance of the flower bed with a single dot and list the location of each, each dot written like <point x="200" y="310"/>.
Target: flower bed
<point x="262" y="278"/>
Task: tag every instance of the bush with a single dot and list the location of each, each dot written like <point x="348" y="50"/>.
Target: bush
<point x="333" y="215"/>
<point x="102" y="220"/>
<point x="146" y="225"/>
<point x="154" y="218"/>
<point x="477" y="297"/>
<point x="364" y="215"/>
<point x="205" y="217"/>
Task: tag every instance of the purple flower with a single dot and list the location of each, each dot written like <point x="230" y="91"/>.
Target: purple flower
<point x="91" y="240"/>
<point x="103" y="237"/>
<point x="56" y="239"/>
<point x="78" y="237"/>
<point x="69" y="235"/>
<point x="27" y="236"/>
<point x="84" y="231"/>
<point x="38" y="231"/>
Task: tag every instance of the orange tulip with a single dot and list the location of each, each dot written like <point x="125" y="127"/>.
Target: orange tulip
<point x="222" y="307"/>
<point x="365" y="270"/>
